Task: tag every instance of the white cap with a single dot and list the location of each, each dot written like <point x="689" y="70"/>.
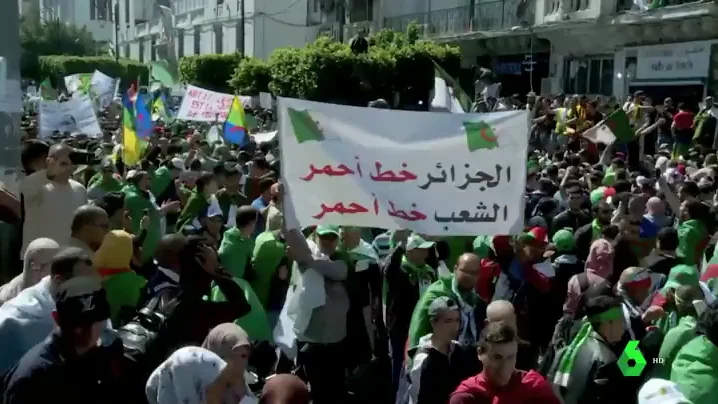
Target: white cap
<point x="659" y="391"/>
<point x="178" y="163"/>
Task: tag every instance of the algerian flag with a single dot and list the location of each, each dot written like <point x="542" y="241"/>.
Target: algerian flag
<point x="448" y="90"/>
<point x="614" y="127"/>
<point x="162" y="72"/>
<point x="80" y="82"/>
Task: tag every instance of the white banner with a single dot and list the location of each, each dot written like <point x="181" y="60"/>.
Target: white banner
<point x="434" y="173"/>
<point x="103" y="88"/>
<point x="204" y="105"/>
<point x="77" y="115"/>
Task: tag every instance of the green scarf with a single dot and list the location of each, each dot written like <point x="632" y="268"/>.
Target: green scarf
<point x="195" y="205"/>
<point x="597" y="230"/>
<point x="568" y="358"/>
<point x="417" y="273"/>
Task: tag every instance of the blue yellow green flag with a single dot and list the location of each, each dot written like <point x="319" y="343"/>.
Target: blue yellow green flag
<point x="235" y="127"/>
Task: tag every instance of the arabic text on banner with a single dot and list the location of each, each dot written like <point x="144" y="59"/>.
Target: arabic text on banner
<point x="434" y="173"/>
<point x="74" y="115"/>
<point x="204" y="105"/>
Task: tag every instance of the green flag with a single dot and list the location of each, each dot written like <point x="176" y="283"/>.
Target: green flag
<point x="479" y="135"/>
<point x="46" y="90"/>
<point x="618" y="124"/>
<point x="161" y="72"/>
<point x="305" y="129"/>
<point x="460" y="94"/>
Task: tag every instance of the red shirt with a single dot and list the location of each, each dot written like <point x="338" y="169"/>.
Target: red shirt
<point x="523" y="388"/>
<point x="683" y="120"/>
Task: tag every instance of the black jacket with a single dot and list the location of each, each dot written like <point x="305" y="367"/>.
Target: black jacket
<point x="571" y="220"/>
<point x="49" y="373"/>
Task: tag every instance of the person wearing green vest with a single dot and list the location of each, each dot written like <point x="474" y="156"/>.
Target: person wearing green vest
<point x="693" y="237"/>
<point x="235" y="252"/>
<point x="229" y="195"/>
<point x="254" y="323"/>
<point x="271" y="272"/>
<point x="682" y="332"/>
<point x="123" y="286"/>
<point x="458" y="287"/>
<point x="139" y="202"/>
<point x="103" y="182"/>
<point x="199" y="200"/>
<point x="695" y="368"/>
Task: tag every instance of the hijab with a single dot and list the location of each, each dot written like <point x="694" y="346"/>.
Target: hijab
<point x="224" y="338"/>
<point x="600" y="259"/>
<point x="184" y="377"/>
<point x="35" y="267"/>
<point x="284" y="389"/>
<point x="115" y="252"/>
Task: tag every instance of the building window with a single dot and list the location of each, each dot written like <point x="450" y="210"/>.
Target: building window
<point x="180" y="43"/>
<point x="153" y="49"/>
<point x="218" y="38"/>
<point x="93" y="10"/>
<point x="197" y="41"/>
<point x="589" y="75"/>
<point x="127" y="50"/>
<point x="103" y="9"/>
<point x="142" y="51"/>
<point x="127" y="12"/>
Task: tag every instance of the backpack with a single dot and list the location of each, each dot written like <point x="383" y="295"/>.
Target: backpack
<point x="566" y="329"/>
<point x="139" y="336"/>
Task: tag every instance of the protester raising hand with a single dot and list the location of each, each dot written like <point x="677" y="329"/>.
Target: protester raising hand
<point x="171" y="207"/>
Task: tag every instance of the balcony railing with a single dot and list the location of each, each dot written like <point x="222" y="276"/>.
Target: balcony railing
<point x="627" y="5"/>
<point x="486" y="16"/>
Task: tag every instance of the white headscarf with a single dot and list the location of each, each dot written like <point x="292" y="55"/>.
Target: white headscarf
<point x="184" y="377"/>
<point x="38" y="256"/>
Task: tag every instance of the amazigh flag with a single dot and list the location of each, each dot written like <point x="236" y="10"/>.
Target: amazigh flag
<point x="305" y="128"/>
<point x="131" y="145"/>
<point x="143" y="118"/>
<point x="235" y="127"/>
<point x="159" y="109"/>
<point x="479" y="135"/>
<point x="615" y="127"/>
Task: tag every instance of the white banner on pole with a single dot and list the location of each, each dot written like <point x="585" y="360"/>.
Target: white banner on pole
<point x="103" y="88"/>
<point x="199" y="104"/>
<point x="437" y="174"/>
<point x="75" y="115"/>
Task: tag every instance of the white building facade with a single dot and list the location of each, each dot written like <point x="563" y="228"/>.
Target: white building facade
<point x="215" y="26"/>
<point x="95" y="15"/>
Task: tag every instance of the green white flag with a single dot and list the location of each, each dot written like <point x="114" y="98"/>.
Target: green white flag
<point x="461" y="96"/>
<point x="46" y="90"/>
<point x="160" y="71"/>
<point x="615" y="127"/>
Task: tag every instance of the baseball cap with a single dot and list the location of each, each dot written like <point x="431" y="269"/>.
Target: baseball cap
<point x="442" y="305"/>
<point x="327" y="229"/>
<point x="416" y="241"/>
<point x="178" y="164"/>
<point x="81" y="301"/>
<point x="563" y="240"/>
<point x="660" y="391"/>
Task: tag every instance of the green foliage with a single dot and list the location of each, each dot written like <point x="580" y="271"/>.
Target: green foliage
<point x="208" y="71"/>
<point x="328" y="71"/>
<point x="57" y="67"/>
<point x="39" y="39"/>
<point x="251" y="77"/>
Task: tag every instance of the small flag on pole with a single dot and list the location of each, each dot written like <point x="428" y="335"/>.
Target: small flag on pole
<point x="614" y="127"/>
<point x="235" y="127"/>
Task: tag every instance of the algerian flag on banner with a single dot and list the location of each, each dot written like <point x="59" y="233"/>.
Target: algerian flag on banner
<point x="614" y="127"/>
<point x="80" y="82"/>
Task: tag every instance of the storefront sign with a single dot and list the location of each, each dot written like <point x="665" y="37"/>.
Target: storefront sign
<point x="673" y="61"/>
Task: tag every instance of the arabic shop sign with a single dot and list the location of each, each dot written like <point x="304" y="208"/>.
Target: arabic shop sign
<point x="673" y="61"/>
<point x="437" y="174"/>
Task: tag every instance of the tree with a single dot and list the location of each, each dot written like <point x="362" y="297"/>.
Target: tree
<point x="38" y="38"/>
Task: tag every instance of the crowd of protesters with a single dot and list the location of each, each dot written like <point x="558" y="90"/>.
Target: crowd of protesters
<point x="167" y="282"/>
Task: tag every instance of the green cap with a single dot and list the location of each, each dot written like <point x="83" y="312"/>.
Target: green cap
<point x="563" y="240"/>
<point x="682" y="275"/>
<point x="483" y="245"/>
<point x="323" y="230"/>
<point x="416" y="241"/>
